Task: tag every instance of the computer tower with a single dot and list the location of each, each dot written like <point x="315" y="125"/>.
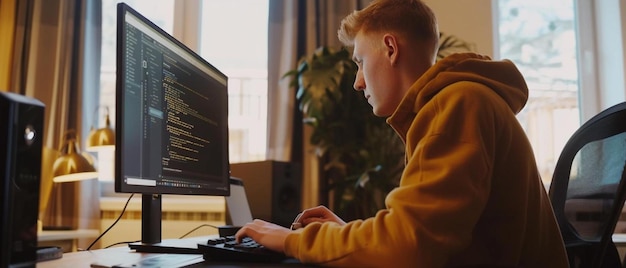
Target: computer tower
<point x="21" y="140"/>
<point x="273" y="189"/>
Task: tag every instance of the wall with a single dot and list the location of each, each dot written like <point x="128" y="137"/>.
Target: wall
<point x="470" y="21"/>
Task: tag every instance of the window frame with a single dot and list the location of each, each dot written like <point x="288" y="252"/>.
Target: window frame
<point x="602" y="55"/>
<point x="187" y="21"/>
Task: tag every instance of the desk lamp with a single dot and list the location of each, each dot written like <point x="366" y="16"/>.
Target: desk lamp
<point x="71" y="165"/>
<point x="102" y="142"/>
<point x="102" y="138"/>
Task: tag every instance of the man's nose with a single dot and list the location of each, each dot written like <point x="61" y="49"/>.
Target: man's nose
<point x="359" y="82"/>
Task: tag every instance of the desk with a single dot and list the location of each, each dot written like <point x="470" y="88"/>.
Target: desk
<point x="124" y="255"/>
<point x="66" y="239"/>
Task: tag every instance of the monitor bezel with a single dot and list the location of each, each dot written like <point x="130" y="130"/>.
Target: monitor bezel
<point x="121" y="187"/>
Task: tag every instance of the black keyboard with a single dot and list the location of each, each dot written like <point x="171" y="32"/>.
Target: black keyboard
<point x="227" y="249"/>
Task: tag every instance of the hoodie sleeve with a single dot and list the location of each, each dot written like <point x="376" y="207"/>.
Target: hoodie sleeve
<point x="442" y="192"/>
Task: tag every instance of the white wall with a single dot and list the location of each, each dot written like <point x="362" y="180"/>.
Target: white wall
<point x="469" y="20"/>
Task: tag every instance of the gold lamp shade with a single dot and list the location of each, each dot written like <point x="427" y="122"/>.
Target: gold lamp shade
<point x="71" y="165"/>
<point x="102" y="138"/>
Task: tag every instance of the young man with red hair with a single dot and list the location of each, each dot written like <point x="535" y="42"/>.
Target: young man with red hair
<point x="470" y="194"/>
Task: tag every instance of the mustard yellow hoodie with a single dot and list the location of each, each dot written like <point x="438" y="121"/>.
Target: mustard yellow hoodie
<point x="470" y="194"/>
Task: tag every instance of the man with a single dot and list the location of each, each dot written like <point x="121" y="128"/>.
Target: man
<point x="470" y="194"/>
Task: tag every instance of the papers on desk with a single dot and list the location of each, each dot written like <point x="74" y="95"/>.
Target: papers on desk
<point x="156" y="260"/>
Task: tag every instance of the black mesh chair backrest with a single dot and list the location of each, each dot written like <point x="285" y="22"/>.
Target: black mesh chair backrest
<point x="587" y="189"/>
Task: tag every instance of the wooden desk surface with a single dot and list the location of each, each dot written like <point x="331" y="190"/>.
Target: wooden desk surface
<point x="118" y="256"/>
<point x="123" y="256"/>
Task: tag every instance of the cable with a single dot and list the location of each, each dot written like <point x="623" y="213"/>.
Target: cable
<point x="203" y="225"/>
<point x="124" y="242"/>
<point x="115" y="222"/>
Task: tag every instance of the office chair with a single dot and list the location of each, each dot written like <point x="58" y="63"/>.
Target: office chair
<point x="589" y="186"/>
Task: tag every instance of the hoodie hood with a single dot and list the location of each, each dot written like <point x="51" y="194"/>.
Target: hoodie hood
<point x="501" y="76"/>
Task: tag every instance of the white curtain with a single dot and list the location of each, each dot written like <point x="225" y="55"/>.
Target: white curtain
<point x="296" y="29"/>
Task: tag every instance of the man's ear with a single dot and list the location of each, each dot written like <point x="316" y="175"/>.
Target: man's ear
<point x="391" y="47"/>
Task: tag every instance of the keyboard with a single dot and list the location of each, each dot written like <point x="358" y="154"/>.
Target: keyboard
<point x="227" y="249"/>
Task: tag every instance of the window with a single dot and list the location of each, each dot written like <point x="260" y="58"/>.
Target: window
<point x="233" y="37"/>
<point x="160" y="14"/>
<point x="540" y="37"/>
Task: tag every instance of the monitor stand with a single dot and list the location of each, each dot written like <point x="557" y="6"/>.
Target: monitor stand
<point x="173" y="246"/>
<point x="151" y="231"/>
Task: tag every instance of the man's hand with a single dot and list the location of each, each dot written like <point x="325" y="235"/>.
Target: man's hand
<point x="271" y="236"/>
<point x="317" y="214"/>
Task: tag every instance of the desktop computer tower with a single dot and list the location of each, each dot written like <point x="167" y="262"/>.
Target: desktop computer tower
<point x="273" y="189"/>
<point x="21" y="140"/>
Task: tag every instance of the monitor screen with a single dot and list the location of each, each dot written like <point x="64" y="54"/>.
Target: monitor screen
<point x="171" y="114"/>
<point x="171" y="124"/>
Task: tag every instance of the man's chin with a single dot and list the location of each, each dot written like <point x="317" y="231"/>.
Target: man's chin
<point x="379" y="114"/>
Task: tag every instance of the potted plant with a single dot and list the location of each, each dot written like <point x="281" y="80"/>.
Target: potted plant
<point x="361" y="157"/>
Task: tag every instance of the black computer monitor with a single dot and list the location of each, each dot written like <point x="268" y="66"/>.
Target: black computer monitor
<point x="171" y="121"/>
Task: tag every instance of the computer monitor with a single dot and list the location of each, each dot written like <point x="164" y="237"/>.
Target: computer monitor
<point x="171" y="121"/>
